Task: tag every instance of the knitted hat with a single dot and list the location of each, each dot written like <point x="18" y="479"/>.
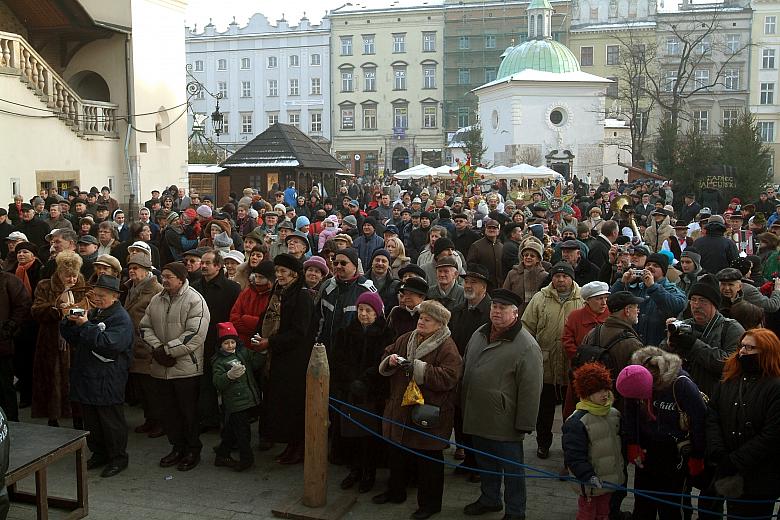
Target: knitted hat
<point x="562" y="268"/>
<point x="317" y="262"/>
<point x="280" y="209"/>
<point x="635" y="382"/>
<point x="381" y="252"/>
<point x="332" y="219"/>
<point x="172" y="217"/>
<point x="373" y="300"/>
<point x="435" y="310"/>
<point x="371" y="221"/>
<point x="302" y="221"/>
<point x="706" y="290"/>
<point x="223" y="240"/>
<point x="350" y="220"/>
<point x="350" y="253"/>
<point x="178" y="270"/>
<point x="289" y="261"/>
<point x="591" y="378"/>
<point x="266" y="269"/>
<point x="661" y="260"/>
<point x="693" y="255"/>
<point x="204" y="211"/>
<point x="534" y="246"/>
<point x="226" y="330"/>
<point x="143" y="246"/>
<point x="442" y="244"/>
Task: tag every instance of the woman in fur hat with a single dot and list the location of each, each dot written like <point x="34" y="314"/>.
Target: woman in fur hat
<point x="527" y="277"/>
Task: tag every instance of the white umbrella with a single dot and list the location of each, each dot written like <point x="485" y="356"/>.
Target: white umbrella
<point x="416" y="172"/>
<point x="444" y="171"/>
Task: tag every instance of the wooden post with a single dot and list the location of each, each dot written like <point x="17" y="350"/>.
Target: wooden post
<point x="315" y="463"/>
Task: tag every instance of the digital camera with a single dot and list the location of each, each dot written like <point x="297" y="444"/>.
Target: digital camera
<point x="679" y="327"/>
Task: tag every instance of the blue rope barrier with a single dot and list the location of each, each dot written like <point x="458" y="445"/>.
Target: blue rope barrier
<point x="544" y="474"/>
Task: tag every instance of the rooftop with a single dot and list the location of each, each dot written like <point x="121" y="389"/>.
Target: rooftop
<point x="530" y="75"/>
<point x="544" y="55"/>
<point x="388" y="5"/>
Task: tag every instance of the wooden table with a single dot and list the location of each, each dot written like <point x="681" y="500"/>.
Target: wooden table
<point x="33" y="449"/>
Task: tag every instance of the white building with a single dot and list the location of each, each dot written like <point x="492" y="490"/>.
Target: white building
<point x="93" y="94"/>
<point x="543" y="105"/>
<point x="266" y="74"/>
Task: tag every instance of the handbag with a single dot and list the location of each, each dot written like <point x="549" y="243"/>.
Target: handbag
<point x="426" y="415"/>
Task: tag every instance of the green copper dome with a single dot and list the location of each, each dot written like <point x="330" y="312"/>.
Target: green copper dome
<point x="544" y="55"/>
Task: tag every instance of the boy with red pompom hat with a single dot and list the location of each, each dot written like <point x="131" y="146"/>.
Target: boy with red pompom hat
<point x="591" y="441"/>
<point x="232" y="369"/>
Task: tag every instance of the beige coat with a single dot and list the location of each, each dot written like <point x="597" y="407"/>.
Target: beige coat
<point x="544" y="319"/>
<point x="137" y="300"/>
<point x="179" y="323"/>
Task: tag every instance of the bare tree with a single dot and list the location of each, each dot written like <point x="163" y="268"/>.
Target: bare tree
<point x="530" y="155"/>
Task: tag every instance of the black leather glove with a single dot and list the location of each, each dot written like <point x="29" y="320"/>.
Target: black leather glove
<point x="163" y="358"/>
<point x="682" y="342"/>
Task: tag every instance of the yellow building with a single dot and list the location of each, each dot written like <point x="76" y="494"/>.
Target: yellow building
<point x="764" y="75"/>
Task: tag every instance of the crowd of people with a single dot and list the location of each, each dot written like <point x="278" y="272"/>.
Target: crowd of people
<point x="650" y="316"/>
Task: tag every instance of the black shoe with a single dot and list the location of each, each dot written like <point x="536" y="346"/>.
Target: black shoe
<point x="113" y="468"/>
<point x="54" y="423"/>
<point x="422" y="514"/>
<point x="513" y="517"/>
<point x="366" y="485"/>
<point x="543" y="453"/>
<point x="189" y="461"/>
<point x="224" y="462"/>
<point x="386" y="497"/>
<point x="478" y="508"/>
<point x="350" y="480"/>
<point x="171" y="459"/>
<point x="243" y="465"/>
<point x="95" y="462"/>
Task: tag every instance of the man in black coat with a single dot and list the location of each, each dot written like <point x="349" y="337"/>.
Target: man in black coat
<point x="5" y="229"/>
<point x="33" y="228"/>
<point x="600" y="246"/>
<point x="220" y="295"/>
<point x="691" y="208"/>
<point x="584" y="270"/>
<point x="464" y="236"/>
<point x="511" y="249"/>
<point x="15" y="302"/>
<point x="717" y="251"/>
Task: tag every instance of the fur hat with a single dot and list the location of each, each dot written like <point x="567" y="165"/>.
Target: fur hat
<point x="178" y="270"/>
<point x="222" y="240"/>
<point x="289" y="261"/>
<point x="635" y="382"/>
<point x="591" y="378"/>
<point x="442" y="244"/>
<point x="68" y="261"/>
<point x="266" y="269"/>
<point x="26" y="246"/>
<point x="435" y="310"/>
<point x="373" y="300"/>
<point x="226" y="330"/>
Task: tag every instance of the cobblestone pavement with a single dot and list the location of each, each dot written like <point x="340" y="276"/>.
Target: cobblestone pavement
<point x="146" y="491"/>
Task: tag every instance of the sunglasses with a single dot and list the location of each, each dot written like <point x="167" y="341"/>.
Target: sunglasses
<point x="341" y="262"/>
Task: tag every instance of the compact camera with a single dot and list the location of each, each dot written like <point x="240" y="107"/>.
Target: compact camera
<point x="75" y="311"/>
<point x="622" y="249"/>
<point x="679" y="327"/>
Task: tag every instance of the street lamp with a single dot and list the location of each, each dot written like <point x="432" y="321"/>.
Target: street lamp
<point x="217" y="119"/>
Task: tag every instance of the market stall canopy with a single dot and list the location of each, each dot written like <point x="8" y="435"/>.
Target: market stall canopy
<point x="416" y="172"/>
<point x="526" y="171"/>
<point x="443" y="172"/>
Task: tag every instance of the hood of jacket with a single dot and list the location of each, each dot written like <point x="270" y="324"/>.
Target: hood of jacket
<point x="664" y="366"/>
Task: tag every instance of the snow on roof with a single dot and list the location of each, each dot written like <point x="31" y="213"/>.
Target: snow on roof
<point x="204" y="168"/>
<point x="530" y="75"/>
<point x="280" y="163"/>
<point x="614" y="26"/>
<point x="614" y="123"/>
<point x="357" y="7"/>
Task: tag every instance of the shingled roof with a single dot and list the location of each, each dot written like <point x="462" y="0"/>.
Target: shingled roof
<point x="282" y="146"/>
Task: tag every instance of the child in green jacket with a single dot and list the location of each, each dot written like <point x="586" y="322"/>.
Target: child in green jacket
<point x="232" y="368"/>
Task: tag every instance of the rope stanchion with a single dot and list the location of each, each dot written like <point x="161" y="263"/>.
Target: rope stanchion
<point x="651" y="495"/>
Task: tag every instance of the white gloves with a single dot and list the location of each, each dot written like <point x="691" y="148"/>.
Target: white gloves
<point x="595" y="482"/>
<point x="235" y="372"/>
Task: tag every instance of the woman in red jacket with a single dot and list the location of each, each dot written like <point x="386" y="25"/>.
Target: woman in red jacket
<point x="251" y="303"/>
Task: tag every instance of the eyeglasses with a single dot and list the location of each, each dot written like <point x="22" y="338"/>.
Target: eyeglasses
<point x="747" y="347"/>
<point x="341" y="262"/>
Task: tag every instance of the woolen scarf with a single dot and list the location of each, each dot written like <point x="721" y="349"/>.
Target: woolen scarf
<point x="21" y="273"/>
<point x="596" y="409"/>
<point x="416" y="349"/>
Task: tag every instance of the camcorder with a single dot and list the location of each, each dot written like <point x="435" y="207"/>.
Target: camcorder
<point x="679" y="327"/>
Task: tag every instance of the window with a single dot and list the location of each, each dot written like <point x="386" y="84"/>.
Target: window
<point x="294" y="60"/>
<point x="346" y="80"/>
<point x="770" y="24"/>
<point x="429" y="42"/>
<point x="731" y="79"/>
<point x="612" y="88"/>
<point x="222" y="89"/>
<point x="705" y="46"/>
<point x="273" y="88"/>
<point x="429" y="76"/>
<point x="368" y="44"/>
<point x="701" y="121"/>
<point x="198" y="65"/>
<point x="464" y="76"/>
<point x="586" y="56"/>
<point x="399" y="42"/>
<point x="613" y="54"/>
<point x="273" y="62"/>
<point x="701" y="78"/>
<point x="222" y="64"/>
<point x="490" y="74"/>
<point x="369" y="79"/>
<point x="464" y="43"/>
<point x="246" y="122"/>
<point x="670" y="80"/>
<point x="348" y="118"/>
<point x="369" y="117"/>
<point x="315" y="59"/>
<point x="768" y="59"/>
<point x="400" y="117"/>
<point x="490" y="41"/>
<point x="273" y="118"/>
<point x="766" y="129"/>
<point x="730" y="116"/>
<point x="639" y="84"/>
<point x="245" y="64"/>
<point x="316" y="87"/>
<point x="294" y="118"/>
<point x="200" y="95"/>
<point x="767" y="93"/>
<point x="294" y="88"/>
<point x="463" y="116"/>
<point x="732" y="42"/>
<point x="400" y="78"/>
<point x="429" y="116"/>
<point x="315" y="125"/>
<point x="640" y="122"/>
<point x="346" y="45"/>
<point x="672" y="46"/>
<point x="225" y="125"/>
<point x="246" y="89"/>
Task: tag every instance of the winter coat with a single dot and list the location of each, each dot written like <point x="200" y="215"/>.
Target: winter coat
<point x="599" y="251"/>
<point x="102" y="353"/>
<point x="15" y="303"/>
<point x="247" y="313"/>
<point x="220" y="295"/>
<point x="717" y="251"/>
<point x="178" y="323"/>
<point x="525" y="282"/>
<point x="510" y="256"/>
<point x="416" y="241"/>
<point x="712" y="198"/>
<point x="464" y="239"/>
<point x="366" y="245"/>
<point x="465" y="320"/>
<point x="751" y="294"/>
<point x="704" y="361"/>
<point x="662" y="300"/>
<point x="337" y="305"/>
<point x="656" y="234"/>
<point x="289" y="351"/>
<point x="388" y="292"/>
<point x="451" y="300"/>
<point x="688" y="212"/>
<point x="620" y="353"/>
<point x="592" y="447"/>
<point x="138" y="298"/>
<point x="488" y="253"/>
<point x="437" y="377"/>
<point x="544" y="318"/>
<point x="744" y="423"/>
<point x="237" y="394"/>
<point x="502" y="384"/>
<point x="51" y="365"/>
<point x="35" y="230"/>
<point x="400" y="321"/>
<point x="687" y="280"/>
<point x="578" y="324"/>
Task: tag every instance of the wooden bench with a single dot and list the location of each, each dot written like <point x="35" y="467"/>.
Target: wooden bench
<point x="33" y="449"/>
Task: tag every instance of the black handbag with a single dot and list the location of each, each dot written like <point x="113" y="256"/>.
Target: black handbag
<point x="426" y="415"/>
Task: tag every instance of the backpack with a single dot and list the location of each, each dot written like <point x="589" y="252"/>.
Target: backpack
<point x="592" y="351"/>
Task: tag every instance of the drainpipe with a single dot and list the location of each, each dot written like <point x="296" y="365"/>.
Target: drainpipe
<point x="131" y="173"/>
